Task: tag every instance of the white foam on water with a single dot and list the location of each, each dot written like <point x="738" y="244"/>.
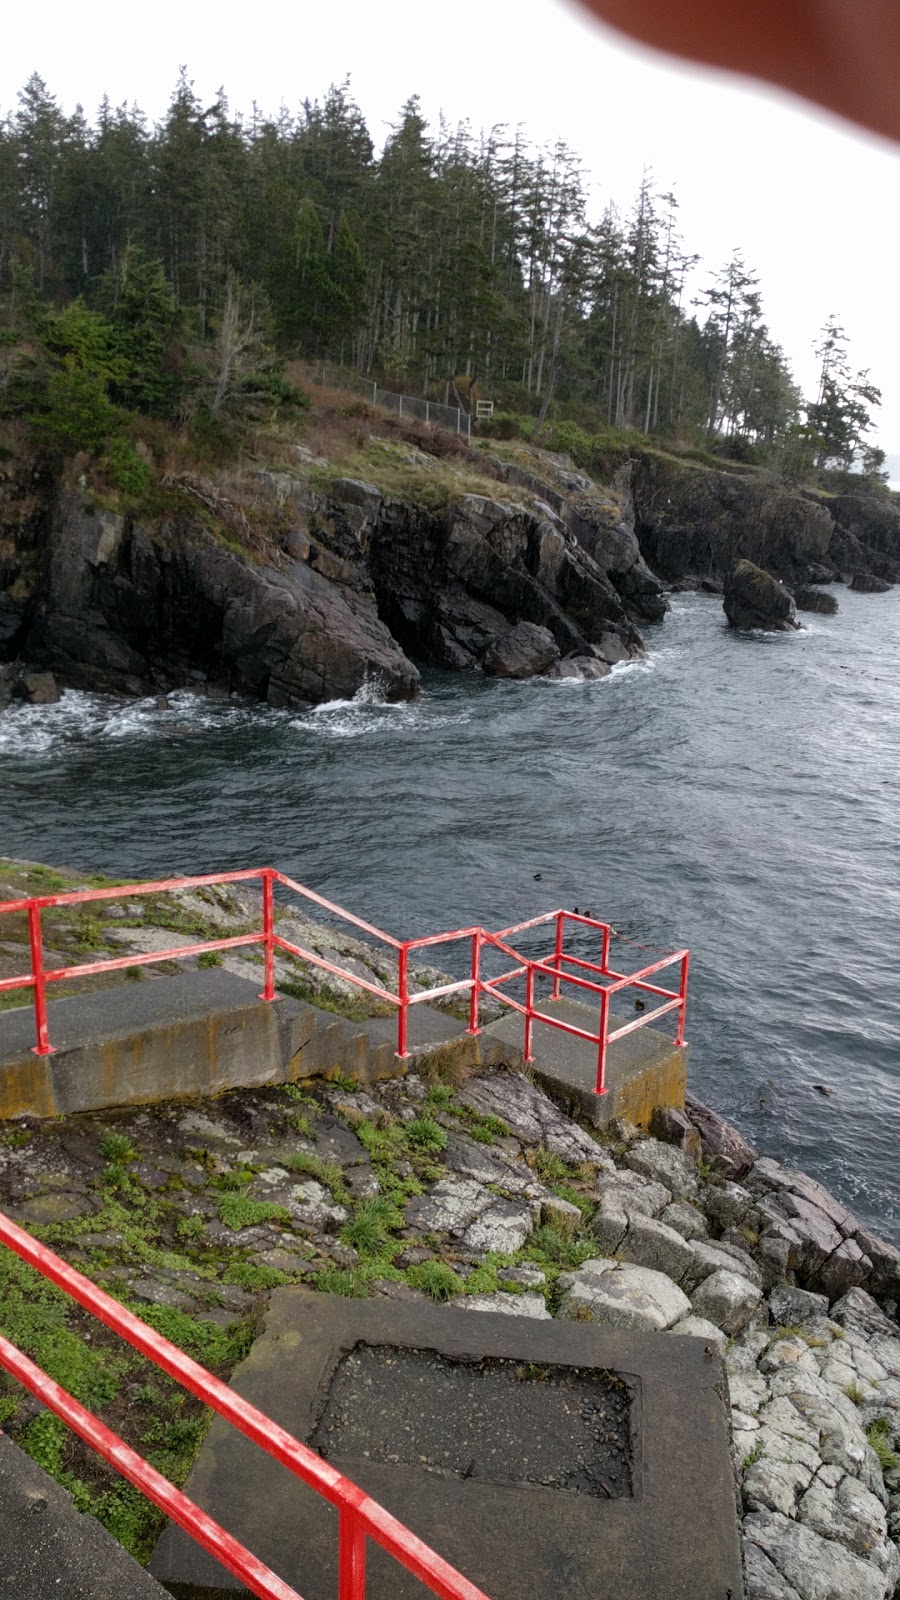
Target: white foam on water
<point x="80" y="718"/>
<point x="368" y="712"/>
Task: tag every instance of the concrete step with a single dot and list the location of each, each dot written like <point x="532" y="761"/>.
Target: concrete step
<point x="48" y="1549"/>
<point x="644" y="1070"/>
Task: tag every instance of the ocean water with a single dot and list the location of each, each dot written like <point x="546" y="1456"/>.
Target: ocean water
<point x="734" y="793"/>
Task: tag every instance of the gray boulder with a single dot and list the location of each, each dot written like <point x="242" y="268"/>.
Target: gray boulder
<point x="754" y="599"/>
<point x="508" y="1305"/>
<point x="665" y="1165"/>
<point x="622" y="1296"/>
<point x="726" y="1299"/>
<point x="720" y="1140"/>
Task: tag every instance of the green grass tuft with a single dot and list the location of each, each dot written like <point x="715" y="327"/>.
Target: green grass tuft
<point x="423" y="1133"/>
<point x="436" y="1279"/>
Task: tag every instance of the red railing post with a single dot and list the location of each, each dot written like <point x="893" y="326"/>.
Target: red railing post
<point x="682" y="1009"/>
<point x="42" y="1032"/>
<point x="529" y="1011"/>
<point x="403" y="995"/>
<point x="351" y="1557"/>
<point x="601" y="1048"/>
<point x="604" y="955"/>
<point x="557" y="953"/>
<point x="269" y="933"/>
<point x="476" y="982"/>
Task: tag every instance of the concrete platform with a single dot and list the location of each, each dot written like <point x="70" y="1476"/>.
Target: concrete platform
<point x="50" y="1551"/>
<point x="199" y="1033"/>
<point x="499" y="1482"/>
<point x="644" y="1070"/>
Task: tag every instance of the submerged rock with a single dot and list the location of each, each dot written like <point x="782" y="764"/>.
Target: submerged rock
<point x="754" y="599"/>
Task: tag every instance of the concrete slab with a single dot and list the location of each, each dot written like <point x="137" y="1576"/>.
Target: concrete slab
<point x="644" y="1070"/>
<point x="371" y="1383"/>
<point x="202" y="1032"/>
<point x="48" y="1549"/>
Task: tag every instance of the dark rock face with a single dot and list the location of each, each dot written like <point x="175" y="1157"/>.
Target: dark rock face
<point x="695" y="521"/>
<point x="815" y="600"/>
<point x="350" y="585"/>
<point x="128" y="608"/>
<point x="450" y="586"/>
<point x="753" y="599"/>
<point x="601" y="519"/>
<point x="522" y="652"/>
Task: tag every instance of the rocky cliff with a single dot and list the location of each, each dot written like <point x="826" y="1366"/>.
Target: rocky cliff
<point x="346" y="581"/>
<point x="294" y="583"/>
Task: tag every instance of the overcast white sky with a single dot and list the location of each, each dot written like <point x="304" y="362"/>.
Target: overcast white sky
<point x="810" y="200"/>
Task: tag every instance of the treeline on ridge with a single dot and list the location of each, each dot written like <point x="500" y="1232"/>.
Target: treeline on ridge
<point x="173" y="269"/>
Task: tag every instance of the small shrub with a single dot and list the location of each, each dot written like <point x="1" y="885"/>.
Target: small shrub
<point x="125" y="469"/>
<point x="371" y="1224"/>
<point x="441" y="1096"/>
<point x="77" y="413"/>
<point x="337" y="1280"/>
<point x="552" y="1168"/>
<point x="855" y="1392"/>
<point x="209" y="958"/>
<point x="753" y="1456"/>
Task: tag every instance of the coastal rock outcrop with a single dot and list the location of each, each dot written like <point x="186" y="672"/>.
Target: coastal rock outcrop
<point x="693" y="520"/>
<point x="309" y="591"/>
<point x="754" y="599"/>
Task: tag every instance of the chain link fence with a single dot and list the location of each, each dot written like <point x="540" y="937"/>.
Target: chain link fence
<point x="455" y="418"/>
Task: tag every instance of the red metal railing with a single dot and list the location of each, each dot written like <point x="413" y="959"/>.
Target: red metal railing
<point x="360" y="1518"/>
<point x="553" y="968"/>
<point x="556" y="966"/>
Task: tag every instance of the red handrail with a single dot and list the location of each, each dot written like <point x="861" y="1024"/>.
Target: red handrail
<point x="360" y="1516"/>
<point x="553" y="966"/>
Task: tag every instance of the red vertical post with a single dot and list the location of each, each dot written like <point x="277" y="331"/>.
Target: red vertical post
<point x="42" y="1032"/>
<point x="604" y="957"/>
<point x="351" y="1557"/>
<point x="476" y="981"/>
<point x="529" y="1011"/>
<point x="682" y="1009"/>
<point x="601" y="1049"/>
<point x="269" y="934"/>
<point x="403" y="994"/>
<point x="557" y="953"/>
